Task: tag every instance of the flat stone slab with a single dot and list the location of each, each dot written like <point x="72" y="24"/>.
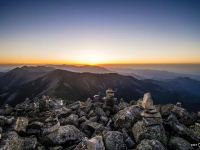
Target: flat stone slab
<point x="147" y="115"/>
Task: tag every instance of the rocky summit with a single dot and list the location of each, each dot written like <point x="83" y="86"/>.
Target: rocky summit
<point x="99" y="123"/>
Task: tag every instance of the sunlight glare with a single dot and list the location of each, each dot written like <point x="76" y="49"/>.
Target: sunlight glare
<point x="91" y="57"/>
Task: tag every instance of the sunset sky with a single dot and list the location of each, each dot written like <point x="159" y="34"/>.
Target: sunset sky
<point x="99" y="32"/>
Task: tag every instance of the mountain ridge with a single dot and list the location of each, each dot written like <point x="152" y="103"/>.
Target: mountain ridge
<point x="20" y="83"/>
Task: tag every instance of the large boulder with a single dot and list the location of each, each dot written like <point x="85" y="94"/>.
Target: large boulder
<point x="150" y="145"/>
<point x="183" y="116"/>
<point x="64" y="135"/>
<point x="177" y="143"/>
<point x="114" y="140"/>
<point x="127" y="117"/>
<point x="157" y="132"/>
<point x="179" y="129"/>
<point x="12" y="141"/>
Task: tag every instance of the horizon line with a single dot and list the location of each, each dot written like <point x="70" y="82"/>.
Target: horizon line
<point x="101" y="64"/>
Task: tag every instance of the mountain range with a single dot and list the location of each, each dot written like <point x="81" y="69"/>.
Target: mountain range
<point x="153" y="74"/>
<point x="82" y="68"/>
<point x="35" y="81"/>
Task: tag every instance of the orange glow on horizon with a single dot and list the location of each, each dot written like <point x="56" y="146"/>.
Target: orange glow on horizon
<point x="89" y="62"/>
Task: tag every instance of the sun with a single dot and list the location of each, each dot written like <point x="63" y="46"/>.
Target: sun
<point x="91" y="58"/>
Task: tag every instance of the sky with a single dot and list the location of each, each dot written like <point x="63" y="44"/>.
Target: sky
<point x="99" y="32"/>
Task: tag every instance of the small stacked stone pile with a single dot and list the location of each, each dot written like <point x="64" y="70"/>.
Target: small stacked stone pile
<point x="150" y="114"/>
<point x="109" y="100"/>
<point x="44" y="103"/>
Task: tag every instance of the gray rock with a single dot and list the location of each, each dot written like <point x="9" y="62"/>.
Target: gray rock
<point x="77" y="105"/>
<point x="114" y="140"/>
<point x="81" y="113"/>
<point x="93" y="119"/>
<point x="127" y="139"/>
<point x="99" y="111"/>
<point x="91" y="114"/>
<point x="82" y="119"/>
<point x="29" y="143"/>
<point x="95" y="143"/>
<point x="64" y="135"/>
<point x="82" y="145"/>
<point x="195" y="129"/>
<point x="152" y="121"/>
<point x="93" y="128"/>
<point x="104" y="119"/>
<point x="127" y="117"/>
<point x="6" y="121"/>
<point x="41" y="147"/>
<point x="21" y="124"/>
<point x="150" y="145"/>
<point x="50" y="125"/>
<point x="71" y="120"/>
<point x="13" y="142"/>
<point x="183" y="116"/>
<point x="7" y="110"/>
<point x="123" y="105"/>
<point x="63" y="112"/>
<point x="34" y="128"/>
<point x="177" y="143"/>
<point x="181" y="130"/>
<point x="166" y="109"/>
<point x="157" y="132"/>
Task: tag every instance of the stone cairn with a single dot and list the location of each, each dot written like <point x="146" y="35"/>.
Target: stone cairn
<point x="96" y="98"/>
<point x="44" y="103"/>
<point x="109" y="100"/>
<point x="179" y="104"/>
<point x="150" y="114"/>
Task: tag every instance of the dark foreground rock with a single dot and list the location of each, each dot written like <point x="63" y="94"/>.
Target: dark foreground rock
<point x="150" y="145"/>
<point x="177" y="143"/>
<point x="114" y="140"/>
<point x="101" y="123"/>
